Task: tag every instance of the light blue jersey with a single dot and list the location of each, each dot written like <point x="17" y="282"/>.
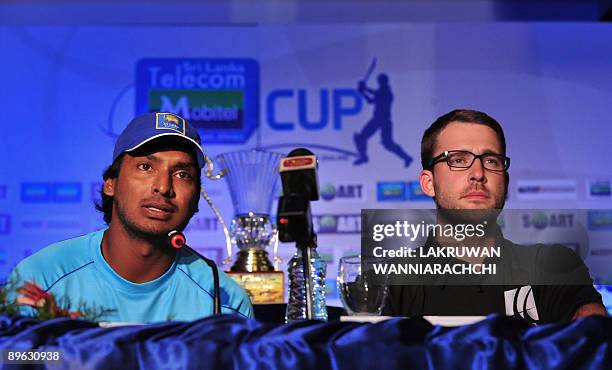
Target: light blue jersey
<point x="75" y="268"/>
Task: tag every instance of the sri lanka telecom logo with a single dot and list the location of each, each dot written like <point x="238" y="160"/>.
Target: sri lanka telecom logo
<point x="219" y="97"/>
<point x="335" y="105"/>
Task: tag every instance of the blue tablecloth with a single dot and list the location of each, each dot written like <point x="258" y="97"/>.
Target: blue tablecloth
<point x="227" y="342"/>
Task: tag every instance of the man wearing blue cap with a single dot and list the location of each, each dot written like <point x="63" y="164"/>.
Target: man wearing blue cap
<point x="151" y="188"/>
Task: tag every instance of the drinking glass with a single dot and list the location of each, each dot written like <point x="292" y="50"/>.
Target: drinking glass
<point x="358" y="293"/>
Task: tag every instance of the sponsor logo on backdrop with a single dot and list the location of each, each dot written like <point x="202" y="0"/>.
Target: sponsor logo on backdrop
<point x="599" y="220"/>
<point x="46" y="192"/>
<point x="400" y="191"/>
<point x="3" y="192"/>
<point x="203" y="224"/>
<point x="546" y="189"/>
<point x="599" y="189"/>
<point x="342" y="192"/>
<point x="391" y="191"/>
<point x="219" y="97"/>
<point x="36" y="192"/>
<point x="542" y="220"/>
<point x="59" y="223"/>
<point x="66" y="192"/>
<point x="329" y="110"/>
<point x="337" y="223"/>
<point x="5" y="224"/>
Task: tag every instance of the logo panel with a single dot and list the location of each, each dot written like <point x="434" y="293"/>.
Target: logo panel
<point x="342" y="192"/>
<point x="546" y="189"/>
<point x="599" y="220"/>
<point x="219" y="97"/>
<point x="541" y="220"/>
<point x="45" y="192"/>
<point x="391" y="191"/>
<point x="599" y="189"/>
<point x="337" y="223"/>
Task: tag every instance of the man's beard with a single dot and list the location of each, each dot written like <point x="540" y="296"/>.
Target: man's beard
<point x="499" y="203"/>
<point x="146" y="233"/>
<point x="451" y="213"/>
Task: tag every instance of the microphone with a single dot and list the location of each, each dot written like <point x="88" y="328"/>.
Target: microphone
<point x="300" y="186"/>
<point x="178" y="241"/>
<point x="294" y="220"/>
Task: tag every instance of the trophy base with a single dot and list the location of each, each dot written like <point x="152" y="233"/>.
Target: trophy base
<point x="262" y="287"/>
<point x="252" y="260"/>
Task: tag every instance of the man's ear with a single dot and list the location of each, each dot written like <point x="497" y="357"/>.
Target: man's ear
<point x="426" y="180"/>
<point x="109" y="187"/>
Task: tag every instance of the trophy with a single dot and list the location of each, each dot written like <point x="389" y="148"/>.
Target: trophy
<point x="251" y="177"/>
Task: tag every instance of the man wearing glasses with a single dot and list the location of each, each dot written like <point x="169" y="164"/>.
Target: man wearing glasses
<point x="465" y="167"/>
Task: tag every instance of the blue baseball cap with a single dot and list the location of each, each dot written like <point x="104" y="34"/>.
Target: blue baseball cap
<point x="150" y="126"/>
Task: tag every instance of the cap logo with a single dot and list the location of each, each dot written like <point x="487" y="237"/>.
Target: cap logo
<point x="169" y="121"/>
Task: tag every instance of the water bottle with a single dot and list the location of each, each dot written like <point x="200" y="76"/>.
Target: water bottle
<point x="296" y="307"/>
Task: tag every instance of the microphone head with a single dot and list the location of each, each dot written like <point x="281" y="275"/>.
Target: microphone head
<point x="299" y="152"/>
<point x="299" y="174"/>
<point x="176" y="239"/>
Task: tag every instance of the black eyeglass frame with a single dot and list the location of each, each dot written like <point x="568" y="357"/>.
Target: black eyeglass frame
<point x="446" y="154"/>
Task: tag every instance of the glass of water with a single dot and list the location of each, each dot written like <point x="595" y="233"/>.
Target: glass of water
<point x="359" y="294"/>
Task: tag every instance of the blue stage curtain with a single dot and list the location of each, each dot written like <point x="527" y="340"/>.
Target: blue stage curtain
<point x="226" y="342"/>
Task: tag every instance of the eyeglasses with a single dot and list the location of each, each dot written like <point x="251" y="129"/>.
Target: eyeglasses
<point x="465" y="159"/>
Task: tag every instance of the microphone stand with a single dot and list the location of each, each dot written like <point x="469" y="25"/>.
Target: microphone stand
<point x="306" y="249"/>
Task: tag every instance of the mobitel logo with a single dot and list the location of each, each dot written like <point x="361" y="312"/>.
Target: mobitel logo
<point x="219" y="97"/>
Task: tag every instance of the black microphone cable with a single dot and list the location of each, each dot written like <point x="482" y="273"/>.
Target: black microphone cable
<point x="178" y="241"/>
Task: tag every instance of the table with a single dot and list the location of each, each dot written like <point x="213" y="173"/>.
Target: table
<point x="227" y="341"/>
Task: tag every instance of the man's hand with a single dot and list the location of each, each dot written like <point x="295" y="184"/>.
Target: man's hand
<point x="590" y="309"/>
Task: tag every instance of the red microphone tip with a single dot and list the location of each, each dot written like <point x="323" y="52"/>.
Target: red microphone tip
<point x="177" y="240"/>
